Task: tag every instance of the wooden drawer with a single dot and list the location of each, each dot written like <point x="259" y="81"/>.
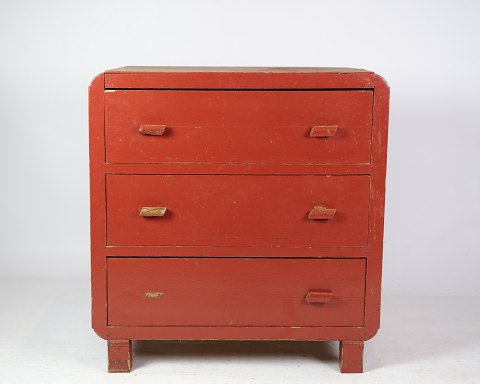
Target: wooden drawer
<point x="236" y="292"/>
<point x="229" y="126"/>
<point x="238" y="210"/>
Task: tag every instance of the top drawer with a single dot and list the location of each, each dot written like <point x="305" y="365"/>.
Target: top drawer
<point x="247" y="126"/>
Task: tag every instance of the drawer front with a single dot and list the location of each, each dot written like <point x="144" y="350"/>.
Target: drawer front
<point x="238" y="126"/>
<point x="235" y="292"/>
<point x="237" y="210"/>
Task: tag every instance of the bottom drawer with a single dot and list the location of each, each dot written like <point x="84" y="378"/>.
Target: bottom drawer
<point x="235" y="292"/>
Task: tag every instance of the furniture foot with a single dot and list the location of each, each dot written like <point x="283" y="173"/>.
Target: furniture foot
<point x="351" y="356"/>
<point x="119" y="355"/>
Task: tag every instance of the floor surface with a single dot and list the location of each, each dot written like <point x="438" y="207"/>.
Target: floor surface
<point x="46" y="338"/>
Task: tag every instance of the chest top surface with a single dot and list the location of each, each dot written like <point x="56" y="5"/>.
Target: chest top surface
<point x="138" y="77"/>
<point x="201" y="69"/>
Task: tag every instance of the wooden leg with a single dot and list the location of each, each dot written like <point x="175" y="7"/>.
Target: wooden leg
<point x="119" y="355"/>
<point x="351" y="356"/>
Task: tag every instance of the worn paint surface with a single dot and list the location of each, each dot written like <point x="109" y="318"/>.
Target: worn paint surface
<point x="237" y="210"/>
<point x="240" y="291"/>
<point x="211" y="126"/>
<point x="351" y="356"/>
<point x="242" y="142"/>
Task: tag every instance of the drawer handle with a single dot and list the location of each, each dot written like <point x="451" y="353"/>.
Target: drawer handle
<point x="323" y="130"/>
<point x="152" y="130"/>
<point x="153" y="295"/>
<point x="319" y="297"/>
<point x="153" y="211"/>
<point x="319" y="212"/>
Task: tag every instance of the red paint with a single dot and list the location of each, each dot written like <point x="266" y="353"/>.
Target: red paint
<point x="351" y="356"/>
<point x="119" y="356"/>
<point x="230" y="134"/>
<point x="319" y="212"/>
<point x="238" y="78"/>
<point x="205" y="126"/>
<point x="234" y="292"/>
<point x="237" y="210"/>
<point x="324" y="131"/>
<point x="152" y="129"/>
<point x="321" y="297"/>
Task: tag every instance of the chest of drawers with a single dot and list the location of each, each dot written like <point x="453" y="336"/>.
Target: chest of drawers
<point x="237" y="203"/>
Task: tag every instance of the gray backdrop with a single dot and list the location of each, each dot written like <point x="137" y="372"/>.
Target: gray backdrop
<point x="428" y="51"/>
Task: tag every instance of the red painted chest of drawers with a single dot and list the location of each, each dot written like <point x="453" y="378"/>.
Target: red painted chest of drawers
<point x="237" y="203"/>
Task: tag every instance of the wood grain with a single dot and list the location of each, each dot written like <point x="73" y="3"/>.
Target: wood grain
<point x="243" y="78"/>
<point x="235" y="292"/>
<point x="218" y="133"/>
<point x="238" y="126"/>
<point x="351" y="356"/>
<point x="119" y="356"/>
<point x="234" y="210"/>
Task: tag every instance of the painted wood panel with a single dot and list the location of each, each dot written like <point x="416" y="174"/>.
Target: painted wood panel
<point x="237" y="210"/>
<point x="243" y="78"/>
<point x="284" y="159"/>
<point x="200" y="126"/>
<point x="234" y="292"/>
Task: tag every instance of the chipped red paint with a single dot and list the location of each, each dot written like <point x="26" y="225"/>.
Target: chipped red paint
<point x="230" y="154"/>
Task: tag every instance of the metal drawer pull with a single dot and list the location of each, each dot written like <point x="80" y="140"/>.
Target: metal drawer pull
<point x="323" y="130"/>
<point x="152" y="130"/>
<point x="319" y="212"/>
<point x="153" y="295"/>
<point x="153" y="211"/>
<point x="320" y="297"/>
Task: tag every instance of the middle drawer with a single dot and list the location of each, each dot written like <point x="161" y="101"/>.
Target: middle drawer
<point x="237" y="210"/>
